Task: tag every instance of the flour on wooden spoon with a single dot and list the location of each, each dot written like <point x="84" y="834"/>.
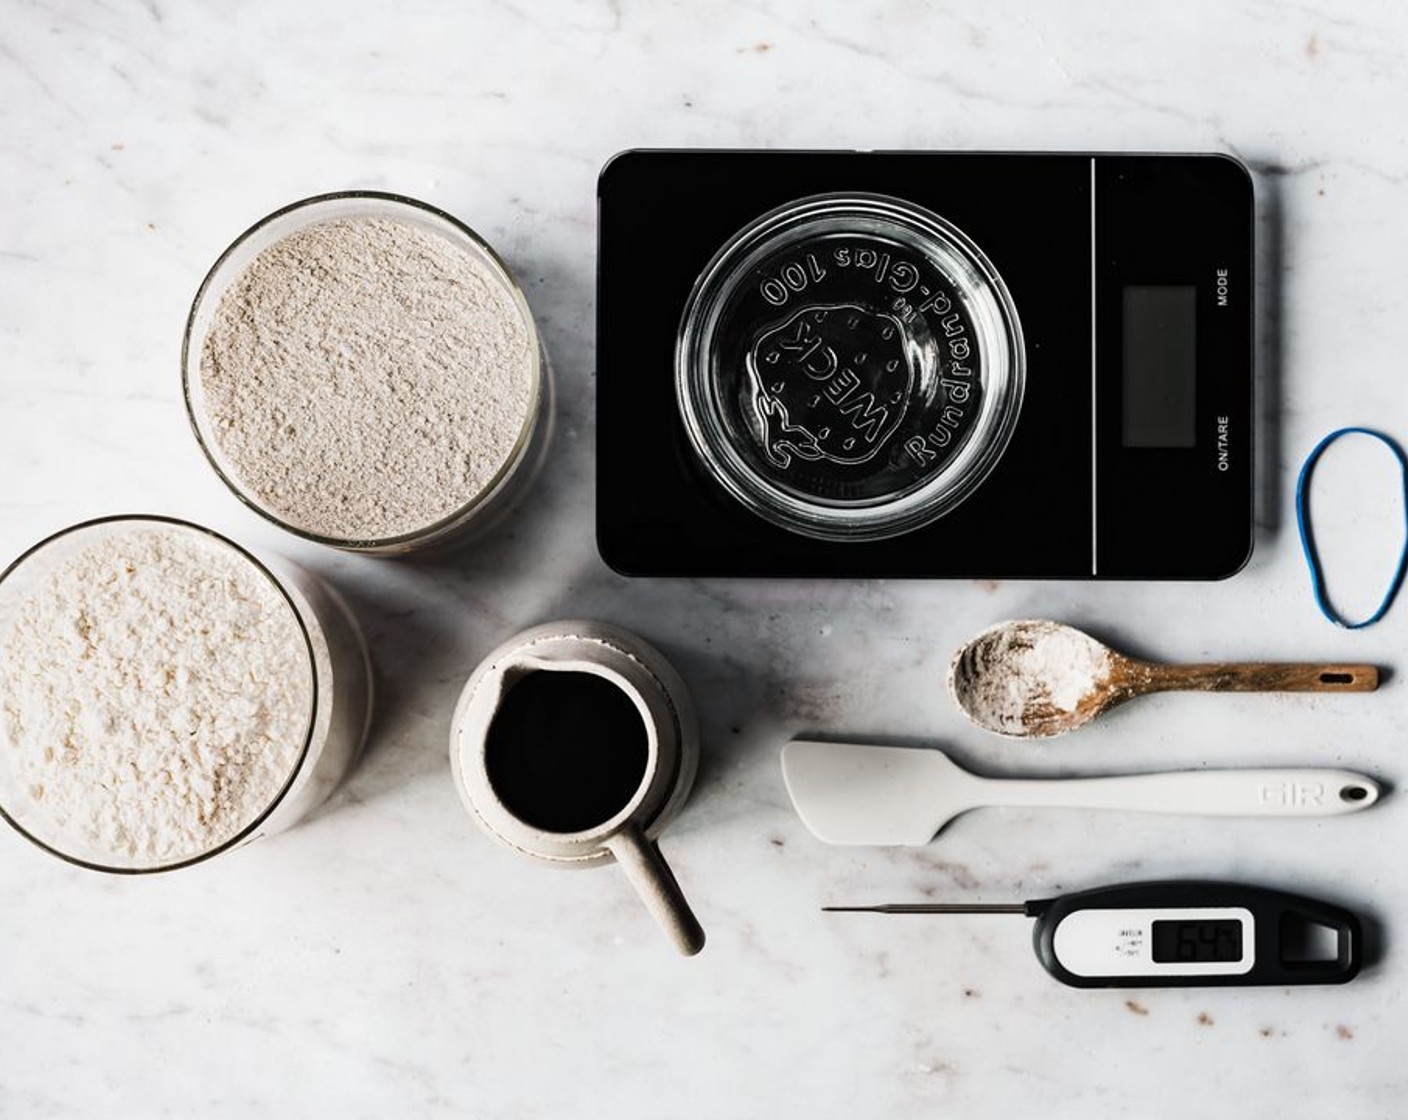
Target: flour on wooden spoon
<point x="1017" y="677"/>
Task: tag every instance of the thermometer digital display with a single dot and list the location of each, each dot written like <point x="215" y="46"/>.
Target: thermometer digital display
<point x="1196" y="940"/>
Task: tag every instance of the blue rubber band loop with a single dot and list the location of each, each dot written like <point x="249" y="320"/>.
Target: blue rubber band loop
<point x="1307" y="537"/>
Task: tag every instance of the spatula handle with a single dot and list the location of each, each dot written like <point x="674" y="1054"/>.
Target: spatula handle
<point x="1264" y="676"/>
<point x="1208" y="793"/>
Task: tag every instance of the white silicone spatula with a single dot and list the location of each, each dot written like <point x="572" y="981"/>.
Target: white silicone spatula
<point x="856" y="793"/>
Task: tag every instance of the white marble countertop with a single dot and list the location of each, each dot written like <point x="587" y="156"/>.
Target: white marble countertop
<point x="385" y="958"/>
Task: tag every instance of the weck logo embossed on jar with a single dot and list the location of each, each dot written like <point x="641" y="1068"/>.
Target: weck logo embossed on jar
<point x="831" y="383"/>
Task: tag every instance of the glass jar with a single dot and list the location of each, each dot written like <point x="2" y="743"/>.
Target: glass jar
<point x="849" y="366"/>
<point x="166" y="696"/>
<point x="494" y="491"/>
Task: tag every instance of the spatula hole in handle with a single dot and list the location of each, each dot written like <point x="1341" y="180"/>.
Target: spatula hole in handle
<point x="1336" y="678"/>
<point x="1353" y="793"/>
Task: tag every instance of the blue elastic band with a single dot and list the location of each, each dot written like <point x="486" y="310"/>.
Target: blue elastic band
<point x="1307" y="538"/>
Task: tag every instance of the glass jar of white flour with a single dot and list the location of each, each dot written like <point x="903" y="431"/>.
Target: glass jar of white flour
<point x="363" y="370"/>
<point x="165" y="696"/>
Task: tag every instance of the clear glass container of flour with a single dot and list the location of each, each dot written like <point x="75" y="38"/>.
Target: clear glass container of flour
<point x="363" y="370"/>
<point x="166" y="696"/>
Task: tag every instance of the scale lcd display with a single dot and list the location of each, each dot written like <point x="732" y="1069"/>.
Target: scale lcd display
<point x="1197" y="941"/>
<point x="1160" y="352"/>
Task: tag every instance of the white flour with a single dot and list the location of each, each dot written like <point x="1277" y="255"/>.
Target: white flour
<point x="366" y="378"/>
<point x="155" y="692"/>
<point x="1014" y="676"/>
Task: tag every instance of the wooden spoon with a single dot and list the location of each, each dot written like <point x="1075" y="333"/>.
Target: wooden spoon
<point x="1034" y="678"/>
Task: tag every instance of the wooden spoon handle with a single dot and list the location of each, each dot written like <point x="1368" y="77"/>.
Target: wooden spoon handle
<point x="1262" y="676"/>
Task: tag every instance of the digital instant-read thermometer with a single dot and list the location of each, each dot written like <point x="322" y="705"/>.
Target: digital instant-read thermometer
<point x="1179" y="934"/>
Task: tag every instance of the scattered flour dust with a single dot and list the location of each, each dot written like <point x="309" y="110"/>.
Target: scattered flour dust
<point x="1012" y="676"/>
<point x="366" y="378"/>
<point x="155" y="693"/>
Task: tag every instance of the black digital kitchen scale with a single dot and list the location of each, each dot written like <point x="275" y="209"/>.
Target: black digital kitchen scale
<point x="913" y="364"/>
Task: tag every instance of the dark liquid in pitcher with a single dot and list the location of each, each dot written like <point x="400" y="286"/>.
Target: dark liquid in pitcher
<point x="566" y="751"/>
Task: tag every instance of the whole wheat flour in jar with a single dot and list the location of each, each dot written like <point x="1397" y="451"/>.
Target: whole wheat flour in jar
<point x="156" y="690"/>
<point x="367" y="378"/>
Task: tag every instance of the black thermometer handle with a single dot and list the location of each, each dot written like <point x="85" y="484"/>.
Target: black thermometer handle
<point x="1280" y="930"/>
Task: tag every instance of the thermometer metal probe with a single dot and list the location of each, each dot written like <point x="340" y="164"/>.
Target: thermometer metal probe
<point x="1177" y="933"/>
